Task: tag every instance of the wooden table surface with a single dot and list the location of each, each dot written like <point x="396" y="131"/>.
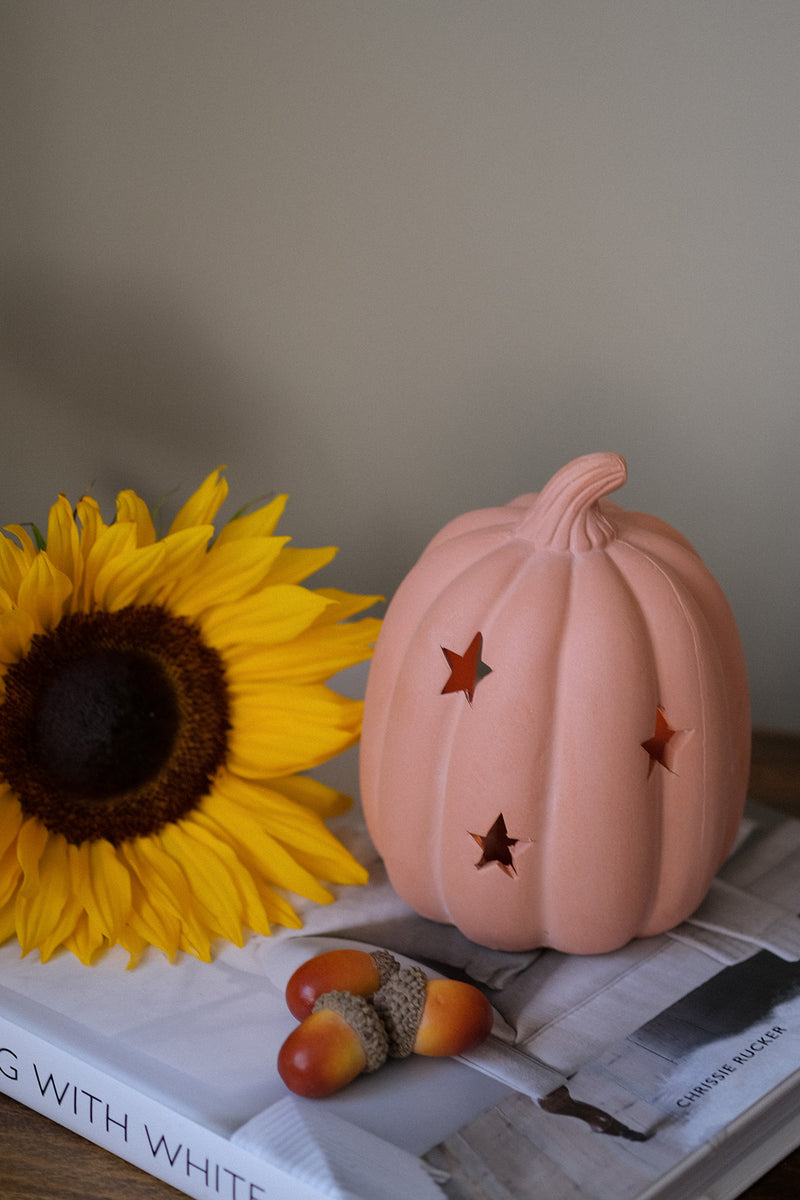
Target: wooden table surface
<point x="40" y="1160"/>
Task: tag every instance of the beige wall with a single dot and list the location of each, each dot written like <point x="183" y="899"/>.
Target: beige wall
<point x="403" y="258"/>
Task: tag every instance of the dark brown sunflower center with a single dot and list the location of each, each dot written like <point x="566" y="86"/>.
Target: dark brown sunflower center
<point x="105" y="723"/>
<point x="114" y="724"/>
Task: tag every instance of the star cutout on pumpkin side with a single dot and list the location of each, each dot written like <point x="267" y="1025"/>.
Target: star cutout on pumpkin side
<point x="467" y="669"/>
<point x="496" y="847"/>
<point x="656" y="746"/>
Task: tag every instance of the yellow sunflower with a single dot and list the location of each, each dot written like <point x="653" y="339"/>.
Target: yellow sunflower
<point x="158" y="697"/>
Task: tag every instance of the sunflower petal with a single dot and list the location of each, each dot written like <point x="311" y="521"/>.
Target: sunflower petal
<point x="184" y="553"/>
<point x="258" y="847"/>
<point x="227" y="573"/>
<point x="203" y="505"/>
<point x="312" y="793"/>
<point x="280" y="730"/>
<point x="149" y="924"/>
<point x="8" y="921"/>
<point x="132" y="508"/>
<point x="10" y="818"/>
<point x="159" y="874"/>
<point x="293" y="565"/>
<point x="27" y="546"/>
<point x="300" y="795"/>
<point x="260" y="523"/>
<point x="43" y="593"/>
<point x="301" y="831"/>
<point x="122" y="579"/>
<point x="32" y="842"/>
<point x="17" y="629"/>
<point x="85" y="940"/>
<point x="46" y="913"/>
<point x="277" y="614"/>
<point x="112" y="542"/>
<point x="165" y="882"/>
<point x="135" y="944"/>
<point x="210" y="878"/>
<point x="312" y="657"/>
<point x="10" y="873"/>
<point x="14" y="564"/>
<point x="102" y="884"/>
<point x="278" y="908"/>
<point x="215" y="838"/>
<point x="91" y="522"/>
<point x="63" y="541"/>
<point x="68" y="921"/>
<point x="343" y="605"/>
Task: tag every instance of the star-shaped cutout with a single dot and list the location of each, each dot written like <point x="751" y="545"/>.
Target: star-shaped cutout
<point x="656" y="746"/>
<point x="467" y="669"/>
<point x="496" y="847"/>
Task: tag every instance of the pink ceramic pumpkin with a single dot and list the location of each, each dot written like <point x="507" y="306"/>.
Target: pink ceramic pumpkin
<point x="556" y="734"/>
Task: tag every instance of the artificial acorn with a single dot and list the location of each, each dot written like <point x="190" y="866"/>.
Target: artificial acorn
<point x="342" y="1038"/>
<point x="380" y="1010"/>
<point x="432" y="1017"/>
<point x="360" y="972"/>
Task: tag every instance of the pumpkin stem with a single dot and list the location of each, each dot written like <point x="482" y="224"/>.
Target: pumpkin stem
<point x="565" y="515"/>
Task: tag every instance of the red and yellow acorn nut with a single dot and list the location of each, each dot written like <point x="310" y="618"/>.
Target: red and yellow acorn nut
<point x="341" y="1038"/>
<point x="360" y="972"/>
<point x="433" y="1017"/>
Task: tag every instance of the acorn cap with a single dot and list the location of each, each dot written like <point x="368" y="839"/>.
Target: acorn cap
<point x="400" y="1003"/>
<point x="386" y="963"/>
<point x="363" y="1019"/>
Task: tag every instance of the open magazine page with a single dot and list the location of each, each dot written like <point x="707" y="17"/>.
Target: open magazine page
<point x="667" y="1051"/>
<point x="644" y="1116"/>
